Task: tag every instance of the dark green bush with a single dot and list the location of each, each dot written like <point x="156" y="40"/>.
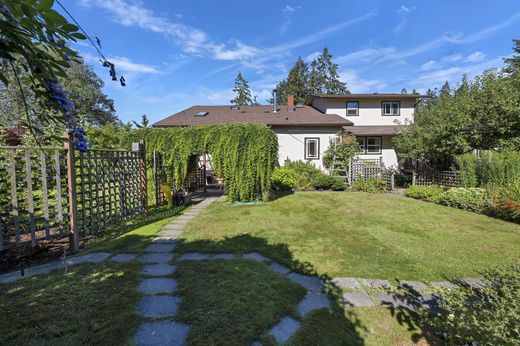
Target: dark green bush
<point x="432" y="193"/>
<point x="323" y="182"/>
<point x="372" y="185"/>
<point x="488" y="315"/>
<point x="283" y="179"/>
<point x="473" y="199"/>
<point x="305" y="174"/>
<point x="403" y="180"/>
<point x="339" y="184"/>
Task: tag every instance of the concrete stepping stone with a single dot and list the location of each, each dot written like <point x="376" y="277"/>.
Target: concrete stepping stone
<point x="124" y="257"/>
<point x="194" y="256"/>
<point x="165" y="240"/>
<point x="352" y="283"/>
<point x="94" y="257"/>
<point x="356" y="299"/>
<point x="255" y="256"/>
<point x="278" y="268"/>
<point x="311" y="283"/>
<point x="313" y="301"/>
<point x="393" y="300"/>
<point x="444" y="285"/>
<point x="43" y="268"/>
<point x="223" y="256"/>
<point x="10" y="277"/>
<point x="157" y="286"/>
<point x="180" y="222"/>
<point x="184" y="217"/>
<point x="477" y="283"/>
<point x="376" y="283"/>
<point x="158" y="306"/>
<point x="162" y="333"/>
<point x="284" y="329"/>
<point x="415" y="285"/>
<point x="156" y="258"/>
<point x="160" y="248"/>
<point x="170" y="233"/>
<point x="158" y="269"/>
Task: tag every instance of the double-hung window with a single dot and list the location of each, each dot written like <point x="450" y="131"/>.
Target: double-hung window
<point x="369" y="145"/>
<point x="352" y="108"/>
<point x="390" y="108"/>
<point x="312" y="148"/>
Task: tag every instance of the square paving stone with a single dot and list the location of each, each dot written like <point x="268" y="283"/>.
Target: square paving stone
<point x="477" y="283"/>
<point x="278" y="268"/>
<point x="124" y="257"/>
<point x="44" y="268"/>
<point x="223" y="256"/>
<point x="160" y="248"/>
<point x="184" y="217"/>
<point x="375" y="283"/>
<point x="157" y="286"/>
<point x="158" y="306"/>
<point x="356" y="299"/>
<point x="94" y="257"/>
<point x="346" y="282"/>
<point x="311" y="283"/>
<point x="156" y="258"/>
<point x="162" y="333"/>
<point x="444" y="285"/>
<point x="172" y="227"/>
<point x="416" y="285"/>
<point x="165" y="240"/>
<point x="394" y="300"/>
<point x="10" y="277"/>
<point x="313" y="301"/>
<point x="194" y="256"/>
<point x="255" y="256"/>
<point x="181" y="222"/>
<point x="284" y="329"/>
<point x="170" y="234"/>
<point x="158" y="269"/>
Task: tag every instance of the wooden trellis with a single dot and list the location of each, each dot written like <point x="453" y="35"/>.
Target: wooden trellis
<point x="435" y="177"/>
<point x="49" y="192"/>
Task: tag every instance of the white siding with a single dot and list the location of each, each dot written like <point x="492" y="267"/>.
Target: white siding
<point x="387" y="153"/>
<point x="291" y="142"/>
<point x="369" y="110"/>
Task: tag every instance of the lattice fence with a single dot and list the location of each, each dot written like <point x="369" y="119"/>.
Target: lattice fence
<point x="365" y="169"/>
<point x="37" y="194"/>
<point x="434" y="177"/>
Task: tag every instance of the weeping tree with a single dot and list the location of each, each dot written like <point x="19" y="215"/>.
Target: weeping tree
<point x="244" y="155"/>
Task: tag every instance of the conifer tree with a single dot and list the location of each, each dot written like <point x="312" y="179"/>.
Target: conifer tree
<point x="324" y="77"/>
<point x="243" y="93"/>
<point x="295" y="84"/>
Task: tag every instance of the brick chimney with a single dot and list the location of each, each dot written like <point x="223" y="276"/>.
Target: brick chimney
<point x="290" y="103"/>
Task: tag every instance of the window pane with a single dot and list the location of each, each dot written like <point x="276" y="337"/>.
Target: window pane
<point x="387" y="108"/>
<point x="311" y="148"/>
<point x="373" y="145"/>
<point x="361" y="143"/>
<point x="395" y="108"/>
<point x="352" y="105"/>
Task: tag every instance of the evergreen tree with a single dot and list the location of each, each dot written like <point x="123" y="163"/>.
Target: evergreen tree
<point x="463" y="87"/>
<point x="324" y="78"/>
<point x="513" y="63"/>
<point x="144" y="122"/>
<point x="445" y="90"/>
<point x="404" y="91"/>
<point x="243" y="93"/>
<point x="295" y="84"/>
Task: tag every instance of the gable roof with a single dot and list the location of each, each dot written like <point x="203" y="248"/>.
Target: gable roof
<point x="298" y="116"/>
<point x="395" y="96"/>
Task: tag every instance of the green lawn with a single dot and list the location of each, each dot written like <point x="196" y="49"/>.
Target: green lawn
<point x="360" y="235"/>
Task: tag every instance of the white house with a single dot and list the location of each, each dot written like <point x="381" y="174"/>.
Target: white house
<point x="304" y="131"/>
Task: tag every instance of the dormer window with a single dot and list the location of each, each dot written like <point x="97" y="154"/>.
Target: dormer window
<point x="390" y="108"/>
<point x="352" y="107"/>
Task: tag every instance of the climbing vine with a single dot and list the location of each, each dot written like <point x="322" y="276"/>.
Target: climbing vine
<point x="244" y="155"/>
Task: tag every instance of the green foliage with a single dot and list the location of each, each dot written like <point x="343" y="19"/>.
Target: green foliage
<point x="403" y="180"/>
<point x="486" y="315"/>
<point x="472" y="198"/>
<point x="109" y="136"/>
<point x="295" y="84"/>
<point x="342" y="148"/>
<point x="244" y="155"/>
<point x="306" y="172"/>
<point x="284" y="179"/>
<point x="144" y="122"/>
<point x="339" y="184"/>
<point x="323" y="182"/>
<point x="432" y="193"/>
<point x="372" y="185"/>
<point x="243" y="93"/>
<point x="490" y="169"/>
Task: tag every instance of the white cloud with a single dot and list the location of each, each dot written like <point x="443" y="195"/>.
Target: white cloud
<point x="486" y="32"/>
<point x="429" y="65"/>
<point x="475" y="57"/>
<point x="287" y="12"/>
<point x="357" y="84"/>
<point x="402" y="12"/>
<point x="452" y="58"/>
<point x="122" y="64"/>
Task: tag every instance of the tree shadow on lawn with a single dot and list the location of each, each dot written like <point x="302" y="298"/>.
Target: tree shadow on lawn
<point x="320" y="327"/>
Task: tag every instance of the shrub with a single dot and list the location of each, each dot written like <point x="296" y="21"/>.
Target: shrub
<point x="473" y="199"/>
<point x="372" y="185"/>
<point x="339" y="184"/>
<point x="506" y="202"/>
<point x="403" y="180"/>
<point x="432" y="193"/>
<point x="491" y="168"/>
<point x="323" y="182"/>
<point x="284" y="179"/>
<point x="487" y="315"/>
<point x="306" y="172"/>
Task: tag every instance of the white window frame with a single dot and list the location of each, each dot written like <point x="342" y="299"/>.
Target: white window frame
<point x="356" y="109"/>
<point x="391" y="103"/>
<point x="307" y="141"/>
<point x="364" y="146"/>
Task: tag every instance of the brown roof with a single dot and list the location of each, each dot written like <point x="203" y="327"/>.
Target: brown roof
<point x="300" y="116"/>
<point x="376" y="130"/>
<point x="364" y="96"/>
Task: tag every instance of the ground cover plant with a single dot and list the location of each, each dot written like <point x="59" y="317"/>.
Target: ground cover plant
<point x="431" y="193"/>
<point x="372" y="185"/>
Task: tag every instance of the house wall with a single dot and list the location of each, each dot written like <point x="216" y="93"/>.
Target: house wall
<point x="369" y="110"/>
<point x="291" y="142"/>
<point x="387" y="153"/>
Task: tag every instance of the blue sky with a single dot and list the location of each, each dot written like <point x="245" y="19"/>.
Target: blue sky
<point x="175" y="54"/>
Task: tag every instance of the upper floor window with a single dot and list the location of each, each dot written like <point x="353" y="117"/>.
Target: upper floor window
<point x="391" y="107"/>
<point x="312" y="148"/>
<point x="352" y="108"/>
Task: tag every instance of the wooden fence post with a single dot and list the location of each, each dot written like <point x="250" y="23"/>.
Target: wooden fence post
<point x="142" y="172"/>
<point x="414" y="178"/>
<point x="71" y="187"/>
<point x="392" y="181"/>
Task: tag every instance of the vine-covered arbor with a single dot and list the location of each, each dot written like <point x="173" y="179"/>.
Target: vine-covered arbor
<point x="244" y="155"/>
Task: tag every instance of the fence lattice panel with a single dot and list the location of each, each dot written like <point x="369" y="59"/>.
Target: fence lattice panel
<point x="434" y="177"/>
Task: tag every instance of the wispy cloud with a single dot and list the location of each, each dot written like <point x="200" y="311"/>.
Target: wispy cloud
<point x="402" y="12"/>
<point x="123" y="64"/>
<point x="475" y="57"/>
<point x="358" y="84"/>
<point x="287" y="12"/>
<point x="486" y="32"/>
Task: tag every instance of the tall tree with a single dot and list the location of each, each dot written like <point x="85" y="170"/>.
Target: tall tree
<point x="144" y="122"/>
<point x="324" y="77"/>
<point x="242" y="92"/>
<point x="513" y="63"/>
<point x="295" y="84"/>
<point x="404" y="91"/>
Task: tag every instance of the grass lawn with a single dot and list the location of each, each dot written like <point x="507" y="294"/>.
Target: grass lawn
<point x="359" y="234"/>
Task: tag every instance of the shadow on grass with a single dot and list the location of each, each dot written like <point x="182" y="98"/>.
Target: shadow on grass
<point x="321" y="327"/>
